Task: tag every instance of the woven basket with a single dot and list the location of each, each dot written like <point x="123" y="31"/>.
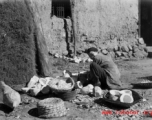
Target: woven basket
<point x="51" y="108"/>
<point x="68" y="95"/>
<point x="68" y="80"/>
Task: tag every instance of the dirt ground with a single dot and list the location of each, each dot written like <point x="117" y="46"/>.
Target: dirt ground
<point x="132" y="71"/>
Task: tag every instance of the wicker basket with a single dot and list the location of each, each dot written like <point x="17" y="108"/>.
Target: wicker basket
<point x="68" y="95"/>
<point x="51" y="108"/>
<point x="68" y="80"/>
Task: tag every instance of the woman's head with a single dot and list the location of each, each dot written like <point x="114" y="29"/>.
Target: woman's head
<point x="92" y="52"/>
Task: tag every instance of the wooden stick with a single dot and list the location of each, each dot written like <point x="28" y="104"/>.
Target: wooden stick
<point x="73" y="20"/>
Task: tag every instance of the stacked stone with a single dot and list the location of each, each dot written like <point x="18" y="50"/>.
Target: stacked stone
<point x="123" y="49"/>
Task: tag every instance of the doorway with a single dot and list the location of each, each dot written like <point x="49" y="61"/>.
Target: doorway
<point x="61" y="8"/>
<point x="145" y="8"/>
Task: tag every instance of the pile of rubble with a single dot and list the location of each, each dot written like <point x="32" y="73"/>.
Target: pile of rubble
<point x="117" y="48"/>
<point x="136" y="48"/>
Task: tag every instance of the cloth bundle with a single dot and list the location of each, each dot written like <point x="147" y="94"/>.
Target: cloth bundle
<point x="37" y="85"/>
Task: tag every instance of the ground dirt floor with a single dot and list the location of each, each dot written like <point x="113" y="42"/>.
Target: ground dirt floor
<point x="132" y="71"/>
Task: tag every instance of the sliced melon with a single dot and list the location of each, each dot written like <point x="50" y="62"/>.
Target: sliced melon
<point x="126" y="91"/>
<point x="115" y="92"/>
<point x="126" y="98"/>
<point x="79" y="84"/>
<point x="113" y="97"/>
<point x="85" y="90"/>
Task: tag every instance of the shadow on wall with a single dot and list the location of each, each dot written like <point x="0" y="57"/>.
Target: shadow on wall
<point x="17" y="43"/>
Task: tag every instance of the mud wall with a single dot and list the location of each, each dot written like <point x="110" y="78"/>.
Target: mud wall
<point x="101" y="20"/>
<point x="110" y="25"/>
<point x="105" y="24"/>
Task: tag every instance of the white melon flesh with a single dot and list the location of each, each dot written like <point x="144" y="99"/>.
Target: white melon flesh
<point x="115" y="92"/>
<point x="126" y="98"/>
<point x="126" y="91"/>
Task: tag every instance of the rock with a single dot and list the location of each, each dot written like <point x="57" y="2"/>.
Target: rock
<point x="112" y="44"/>
<point x="135" y="49"/>
<point x="105" y="52"/>
<point x="11" y="97"/>
<point x="145" y="49"/>
<point x="145" y="53"/>
<point x="115" y="48"/>
<point x="141" y="41"/>
<point x="124" y="48"/>
<point x="112" y="54"/>
<point x="130" y="54"/>
<point x="138" y="54"/>
<point x="140" y="47"/>
<point x="98" y="92"/>
<point x="130" y="47"/>
<point x="125" y="54"/>
<point x="118" y="53"/>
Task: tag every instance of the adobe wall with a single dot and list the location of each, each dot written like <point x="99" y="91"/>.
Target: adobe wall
<point x="106" y="24"/>
<point x="110" y="25"/>
<point x="101" y="20"/>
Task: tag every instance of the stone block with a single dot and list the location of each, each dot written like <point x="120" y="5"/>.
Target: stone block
<point x="118" y="53"/>
<point x="130" y="54"/>
<point x="130" y="47"/>
<point x="124" y="48"/>
<point x="141" y="41"/>
<point x="112" y="54"/>
<point x="125" y="54"/>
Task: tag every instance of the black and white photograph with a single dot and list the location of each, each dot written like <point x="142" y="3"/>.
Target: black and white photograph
<point x="75" y="59"/>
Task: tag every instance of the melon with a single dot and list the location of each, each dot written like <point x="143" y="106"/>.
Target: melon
<point x="85" y="90"/>
<point x="90" y="86"/>
<point x="115" y="92"/>
<point x="98" y="91"/>
<point x="126" y="98"/>
<point x="113" y="97"/>
<point x="126" y="92"/>
<point x="79" y="84"/>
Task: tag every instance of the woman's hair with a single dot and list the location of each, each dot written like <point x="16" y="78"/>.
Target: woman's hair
<point x="91" y="49"/>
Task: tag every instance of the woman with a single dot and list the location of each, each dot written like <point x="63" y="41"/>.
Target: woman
<point x="104" y="71"/>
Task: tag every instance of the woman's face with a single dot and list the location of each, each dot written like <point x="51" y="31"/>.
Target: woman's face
<point x="92" y="54"/>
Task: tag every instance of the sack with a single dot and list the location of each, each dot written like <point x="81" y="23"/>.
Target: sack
<point x="11" y="98"/>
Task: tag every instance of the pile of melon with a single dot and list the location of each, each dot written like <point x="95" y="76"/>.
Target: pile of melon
<point x="124" y="96"/>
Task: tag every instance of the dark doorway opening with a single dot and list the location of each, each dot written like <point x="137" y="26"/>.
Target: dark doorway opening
<point x="145" y="8"/>
<point x="61" y="8"/>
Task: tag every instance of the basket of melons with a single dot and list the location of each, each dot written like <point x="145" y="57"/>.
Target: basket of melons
<point x="122" y="98"/>
<point x="61" y="84"/>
